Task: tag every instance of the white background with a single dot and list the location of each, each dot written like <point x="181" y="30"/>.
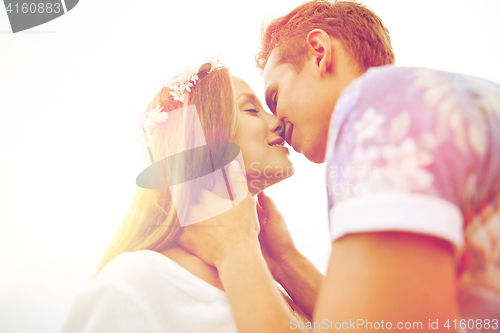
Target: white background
<point x="70" y="94"/>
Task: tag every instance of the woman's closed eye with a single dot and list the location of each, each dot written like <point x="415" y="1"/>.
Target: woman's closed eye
<point x="254" y="111"/>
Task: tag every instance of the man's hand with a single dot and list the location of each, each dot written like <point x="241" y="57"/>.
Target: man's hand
<point x="214" y="239"/>
<point x="275" y="239"/>
<point x="300" y="278"/>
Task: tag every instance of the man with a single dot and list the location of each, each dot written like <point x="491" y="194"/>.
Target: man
<point x="399" y="215"/>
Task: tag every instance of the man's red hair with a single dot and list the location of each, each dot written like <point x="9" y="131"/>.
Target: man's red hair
<point x="361" y="31"/>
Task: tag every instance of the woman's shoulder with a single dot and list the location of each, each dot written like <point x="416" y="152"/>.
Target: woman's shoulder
<point x="146" y="290"/>
<point x="148" y="271"/>
<point x="131" y="268"/>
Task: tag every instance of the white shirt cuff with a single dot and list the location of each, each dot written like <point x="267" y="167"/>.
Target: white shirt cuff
<point x="408" y="212"/>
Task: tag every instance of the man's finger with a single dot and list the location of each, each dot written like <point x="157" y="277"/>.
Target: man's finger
<point x="260" y="213"/>
<point x="268" y="205"/>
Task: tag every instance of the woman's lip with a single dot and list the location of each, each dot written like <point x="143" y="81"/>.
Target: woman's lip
<point x="281" y="147"/>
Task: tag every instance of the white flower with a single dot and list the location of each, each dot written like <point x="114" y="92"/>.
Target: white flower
<point x="171" y="84"/>
<point x="185" y="86"/>
<point x="478" y="140"/>
<point x="182" y="82"/>
<point x="469" y="190"/>
<point x="481" y="234"/>
<point x="156" y="116"/>
<point x="449" y="116"/>
<point x="485" y="96"/>
<point x="399" y="127"/>
<point x="439" y="93"/>
<point x="427" y="140"/>
<point x="403" y="169"/>
<point x="457" y="127"/>
<point x="177" y="93"/>
<point x="216" y="61"/>
<point x="150" y="119"/>
<point x="432" y="81"/>
<point x="367" y="127"/>
<point x="191" y="72"/>
<point x="363" y="159"/>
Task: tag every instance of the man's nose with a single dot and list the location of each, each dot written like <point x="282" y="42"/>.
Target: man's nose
<point x="279" y="127"/>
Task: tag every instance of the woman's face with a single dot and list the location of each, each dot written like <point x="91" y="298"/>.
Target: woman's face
<point x="258" y="134"/>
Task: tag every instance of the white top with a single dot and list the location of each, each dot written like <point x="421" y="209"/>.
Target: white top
<point x="144" y="291"/>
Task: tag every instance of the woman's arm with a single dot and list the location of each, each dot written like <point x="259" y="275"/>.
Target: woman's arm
<point x="229" y="241"/>
<point x="257" y="304"/>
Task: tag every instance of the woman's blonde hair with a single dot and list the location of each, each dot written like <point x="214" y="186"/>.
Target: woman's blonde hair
<point x="151" y="221"/>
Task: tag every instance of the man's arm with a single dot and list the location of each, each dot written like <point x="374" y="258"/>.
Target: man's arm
<point x="394" y="277"/>
<point x="300" y="278"/>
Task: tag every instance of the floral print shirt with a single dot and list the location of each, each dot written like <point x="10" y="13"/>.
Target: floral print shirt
<point x="418" y="150"/>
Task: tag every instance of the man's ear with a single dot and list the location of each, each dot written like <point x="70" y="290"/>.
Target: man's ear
<point x="319" y="49"/>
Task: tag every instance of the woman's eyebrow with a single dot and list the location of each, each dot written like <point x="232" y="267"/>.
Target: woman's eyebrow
<point x="250" y="97"/>
<point x="246" y="95"/>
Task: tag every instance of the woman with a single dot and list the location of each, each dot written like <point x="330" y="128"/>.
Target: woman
<point x="146" y="282"/>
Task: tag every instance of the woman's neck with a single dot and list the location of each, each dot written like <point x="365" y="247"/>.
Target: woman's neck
<point x="194" y="265"/>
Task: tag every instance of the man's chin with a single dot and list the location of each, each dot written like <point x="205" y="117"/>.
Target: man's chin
<point x="314" y="155"/>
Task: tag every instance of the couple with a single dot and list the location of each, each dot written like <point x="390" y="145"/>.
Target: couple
<point x="415" y="225"/>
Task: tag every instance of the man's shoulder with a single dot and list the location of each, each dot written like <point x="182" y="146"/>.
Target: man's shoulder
<point x="379" y="88"/>
<point x="392" y="70"/>
<point x="390" y="76"/>
<point x="419" y="76"/>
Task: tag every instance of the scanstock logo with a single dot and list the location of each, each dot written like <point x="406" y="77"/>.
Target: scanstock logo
<point x="24" y="14"/>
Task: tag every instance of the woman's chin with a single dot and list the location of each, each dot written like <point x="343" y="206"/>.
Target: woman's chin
<point x="258" y="184"/>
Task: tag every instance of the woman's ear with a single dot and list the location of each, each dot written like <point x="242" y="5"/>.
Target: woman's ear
<point x="319" y="49"/>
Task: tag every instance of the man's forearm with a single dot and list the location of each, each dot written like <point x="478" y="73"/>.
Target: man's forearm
<point x="301" y="280"/>
<point x="255" y="300"/>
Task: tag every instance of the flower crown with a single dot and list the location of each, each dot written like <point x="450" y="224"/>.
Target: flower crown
<point x="178" y="86"/>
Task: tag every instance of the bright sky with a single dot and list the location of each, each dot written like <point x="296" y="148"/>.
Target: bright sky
<point x="72" y="89"/>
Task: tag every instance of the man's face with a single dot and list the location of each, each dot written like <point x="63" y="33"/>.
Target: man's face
<point x="304" y="102"/>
